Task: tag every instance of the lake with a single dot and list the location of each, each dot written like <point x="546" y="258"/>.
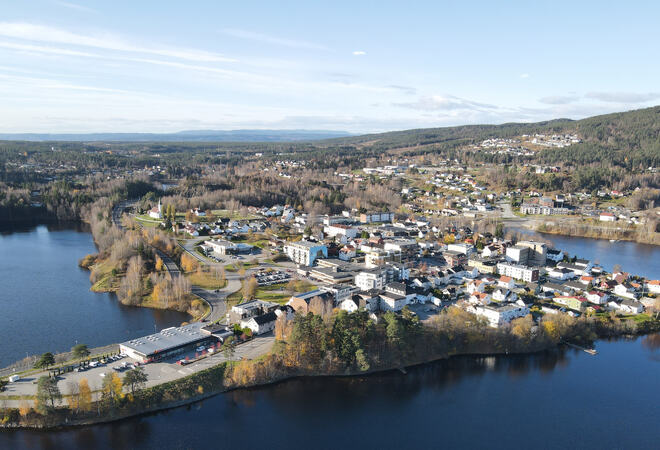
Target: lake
<point x="46" y="302"/>
<point x="562" y="398"/>
<point x="634" y="258"/>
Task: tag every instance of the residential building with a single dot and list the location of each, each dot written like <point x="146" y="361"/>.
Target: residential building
<point x="370" y="279"/>
<point x="372" y="217"/>
<point x="300" y="302"/>
<point x="305" y="252"/>
<point x="260" y="324"/>
<point x="454" y="259"/>
<point x="560" y="273"/>
<point x="499" y="315"/>
<point x="517" y="254"/>
<point x="571" y="302"/>
<point x="340" y="230"/>
<point x="518" y="272"/>
<point x="537" y="252"/>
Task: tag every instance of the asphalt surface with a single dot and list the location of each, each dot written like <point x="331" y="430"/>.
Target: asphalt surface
<point x="157" y="373"/>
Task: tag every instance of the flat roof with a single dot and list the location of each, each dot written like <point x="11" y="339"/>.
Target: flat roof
<point x="167" y="339"/>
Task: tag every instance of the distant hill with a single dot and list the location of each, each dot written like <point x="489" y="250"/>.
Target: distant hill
<point x="632" y="137"/>
<point x="184" y="136"/>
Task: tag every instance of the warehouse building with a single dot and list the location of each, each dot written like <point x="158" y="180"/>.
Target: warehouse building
<point x="168" y="343"/>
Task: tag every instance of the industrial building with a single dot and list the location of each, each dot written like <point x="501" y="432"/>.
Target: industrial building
<point x="169" y="342"/>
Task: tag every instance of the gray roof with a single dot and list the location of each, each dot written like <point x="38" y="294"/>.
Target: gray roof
<point x="167" y="339"/>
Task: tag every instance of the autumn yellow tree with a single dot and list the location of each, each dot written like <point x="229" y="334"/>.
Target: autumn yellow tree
<point x="84" y="395"/>
<point x="188" y="263"/>
<point x="250" y="288"/>
<point x="111" y="391"/>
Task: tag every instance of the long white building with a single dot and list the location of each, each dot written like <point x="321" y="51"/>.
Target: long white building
<point x="518" y="272"/>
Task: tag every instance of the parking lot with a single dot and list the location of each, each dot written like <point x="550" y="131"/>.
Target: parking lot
<point x="157" y="372"/>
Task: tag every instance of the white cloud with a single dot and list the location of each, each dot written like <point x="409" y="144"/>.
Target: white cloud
<point x="274" y="40"/>
<point x="46" y="49"/>
<point x="623" y="97"/>
<point x="75" y="6"/>
<point x="40" y="33"/>
<point x="359" y="53"/>
<point x="446" y="103"/>
<point x="559" y="99"/>
<point x="524" y="75"/>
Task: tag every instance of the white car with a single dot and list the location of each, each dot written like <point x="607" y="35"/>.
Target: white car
<point x="201" y="348"/>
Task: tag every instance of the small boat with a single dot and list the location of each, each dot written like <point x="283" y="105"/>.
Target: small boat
<point x="614" y="240"/>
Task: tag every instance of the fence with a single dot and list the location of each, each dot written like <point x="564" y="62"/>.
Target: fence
<point x="28" y="363"/>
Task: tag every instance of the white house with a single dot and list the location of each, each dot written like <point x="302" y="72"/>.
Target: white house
<point x="625" y="291"/>
<point x="504" y="295"/>
<point x="476" y="286"/>
<point x="480" y="298"/>
<point x="506" y="282"/>
<point x="597" y="297"/>
<point x="500" y="315"/>
<point x="490" y="250"/>
<point x="631" y="306"/>
<point x="607" y="217"/>
<point x="347" y="252"/>
<point x="560" y="273"/>
<point x="653" y="286"/>
<point x="260" y="324"/>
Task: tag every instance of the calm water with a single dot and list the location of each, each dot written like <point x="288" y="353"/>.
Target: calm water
<point x="638" y="259"/>
<point x="45" y="299"/>
<point x="557" y="399"/>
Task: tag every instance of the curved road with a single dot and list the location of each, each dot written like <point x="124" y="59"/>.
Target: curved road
<point x="216" y="300"/>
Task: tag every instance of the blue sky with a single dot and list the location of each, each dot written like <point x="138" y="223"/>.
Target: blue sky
<point x="158" y="66"/>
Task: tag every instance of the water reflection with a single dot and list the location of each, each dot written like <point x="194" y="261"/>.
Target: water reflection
<point x="651" y="344"/>
<point x="456" y="403"/>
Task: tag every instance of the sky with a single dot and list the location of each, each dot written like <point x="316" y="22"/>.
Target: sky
<point x="357" y="66"/>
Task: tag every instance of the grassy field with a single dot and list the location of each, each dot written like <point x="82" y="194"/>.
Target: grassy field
<point x="147" y="221"/>
<point x="236" y="266"/>
<point x="107" y="281"/>
<point x="206" y="280"/>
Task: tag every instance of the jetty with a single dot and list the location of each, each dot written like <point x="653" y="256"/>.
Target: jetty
<point x="591" y="351"/>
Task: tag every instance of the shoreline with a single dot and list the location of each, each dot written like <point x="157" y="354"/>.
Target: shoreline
<point x="67" y="425"/>
<point x="602" y="238"/>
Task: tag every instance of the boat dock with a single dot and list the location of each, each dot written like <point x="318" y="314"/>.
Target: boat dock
<point x="591" y="351"/>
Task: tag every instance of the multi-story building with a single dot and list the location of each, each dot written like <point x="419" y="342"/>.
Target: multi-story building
<point x="537" y="252"/>
<point x="371" y="279"/>
<point x="372" y="217"/>
<point x="518" y="272"/>
<point x="305" y="252"/>
<point x="517" y="254"/>
<point x="341" y="230"/>
<point x="454" y="259"/>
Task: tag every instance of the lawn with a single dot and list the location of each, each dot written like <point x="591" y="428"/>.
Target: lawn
<point x="206" y="280"/>
<point x="147" y="221"/>
<point x="236" y="266"/>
